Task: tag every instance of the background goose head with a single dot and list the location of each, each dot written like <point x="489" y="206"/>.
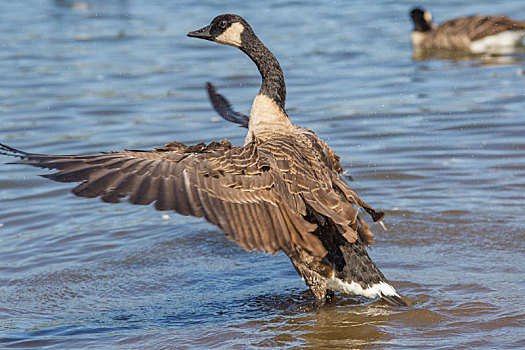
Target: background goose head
<point x="422" y="20"/>
<point x="225" y="29"/>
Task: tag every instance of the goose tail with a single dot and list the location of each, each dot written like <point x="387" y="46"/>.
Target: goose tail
<point x="359" y="275"/>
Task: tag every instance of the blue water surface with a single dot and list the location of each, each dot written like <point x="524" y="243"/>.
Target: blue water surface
<point x="438" y="144"/>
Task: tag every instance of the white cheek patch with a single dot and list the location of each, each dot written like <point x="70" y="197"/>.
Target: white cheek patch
<point x="231" y="36"/>
<point x="427" y="16"/>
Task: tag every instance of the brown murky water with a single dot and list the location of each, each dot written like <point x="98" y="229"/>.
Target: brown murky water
<point x="438" y="144"/>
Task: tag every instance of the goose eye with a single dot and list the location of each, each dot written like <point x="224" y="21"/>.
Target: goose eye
<point x="222" y="24"/>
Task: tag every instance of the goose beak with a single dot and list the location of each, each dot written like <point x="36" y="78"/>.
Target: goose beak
<point x="203" y="33"/>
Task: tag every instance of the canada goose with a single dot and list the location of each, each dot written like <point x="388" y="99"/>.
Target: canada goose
<point x="473" y="34"/>
<point x="281" y="190"/>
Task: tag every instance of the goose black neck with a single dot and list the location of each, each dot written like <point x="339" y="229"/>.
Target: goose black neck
<point x="273" y="85"/>
<point x="422" y="26"/>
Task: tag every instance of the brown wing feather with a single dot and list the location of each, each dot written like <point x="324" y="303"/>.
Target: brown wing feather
<point x="473" y="28"/>
<point x="491" y="25"/>
<point x="258" y="194"/>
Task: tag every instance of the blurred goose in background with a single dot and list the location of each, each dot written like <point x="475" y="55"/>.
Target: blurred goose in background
<point x="472" y="34"/>
<point x="281" y="190"/>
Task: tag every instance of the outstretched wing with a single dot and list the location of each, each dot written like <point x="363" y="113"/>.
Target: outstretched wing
<point x="236" y="188"/>
<point x="224" y="109"/>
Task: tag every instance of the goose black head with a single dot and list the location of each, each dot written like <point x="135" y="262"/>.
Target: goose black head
<point x="422" y="20"/>
<point x="224" y="29"/>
